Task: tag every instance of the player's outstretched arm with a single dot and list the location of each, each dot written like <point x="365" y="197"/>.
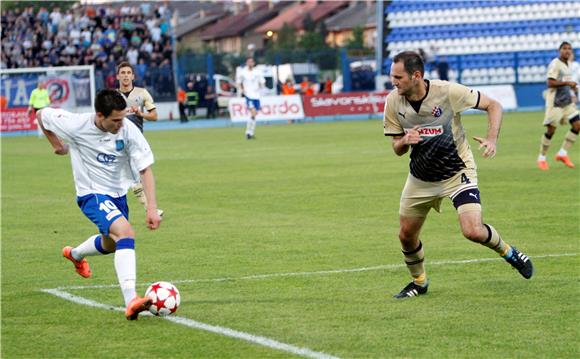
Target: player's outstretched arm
<point x="152" y="220"/>
<point x="494" y="117"/>
<point x="60" y="148"/>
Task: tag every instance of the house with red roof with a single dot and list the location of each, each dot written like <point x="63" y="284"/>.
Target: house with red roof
<point x="236" y="33"/>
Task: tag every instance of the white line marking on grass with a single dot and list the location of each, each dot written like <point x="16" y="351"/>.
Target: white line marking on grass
<point x="323" y="272"/>
<point x="267" y="342"/>
<point x="256" y="339"/>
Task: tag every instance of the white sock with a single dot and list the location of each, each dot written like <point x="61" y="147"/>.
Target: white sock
<point x="562" y="152"/>
<point x="250" y="127"/>
<point x="541" y="158"/>
<point x="126" y="268"/>
<point x="90" y="247"/>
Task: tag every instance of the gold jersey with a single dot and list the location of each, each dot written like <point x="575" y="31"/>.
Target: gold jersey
<point x="559" y="96"/>
<point x="444" y="150"/>
<point x="140" y="98"/>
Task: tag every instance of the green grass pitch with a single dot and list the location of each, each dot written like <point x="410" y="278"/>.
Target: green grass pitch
<point x="310" y="201"/>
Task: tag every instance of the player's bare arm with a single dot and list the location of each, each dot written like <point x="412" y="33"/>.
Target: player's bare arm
<point x="149" y="116"/>
<point x="152" y="220"/>
<point x="401" y="144"/>
<point x="494" y="117"/>
<point x="553" y="83"/>
<point x="60" y="148"/>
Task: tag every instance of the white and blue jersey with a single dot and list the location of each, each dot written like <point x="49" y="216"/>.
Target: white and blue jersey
<point x="101" y="161"/>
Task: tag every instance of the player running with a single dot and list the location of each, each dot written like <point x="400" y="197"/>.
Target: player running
<point x="560" y="107"/>
<point x="424" y="116"/>
<point x="138" y="101"/>
<point x="103" y="147"/>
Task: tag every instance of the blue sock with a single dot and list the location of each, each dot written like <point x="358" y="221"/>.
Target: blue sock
<point x="509" y="253"/>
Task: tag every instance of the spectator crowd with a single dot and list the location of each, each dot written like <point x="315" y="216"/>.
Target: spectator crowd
<point x="99" y="35"/>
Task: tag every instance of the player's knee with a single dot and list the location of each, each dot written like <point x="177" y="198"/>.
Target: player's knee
<point x="121" y="233"/>
<point x="474" y="233"/>
<point x="406" y="234"/>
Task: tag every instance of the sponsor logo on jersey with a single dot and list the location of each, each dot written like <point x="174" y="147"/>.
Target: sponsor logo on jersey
<point x="106" y="158"/>
<point x="428" y="131"/>
<point x="436" y="111"/>
<point x="119" y="145"/>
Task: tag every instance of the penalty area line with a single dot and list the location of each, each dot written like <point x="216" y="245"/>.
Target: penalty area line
<point x="255" y="339"/>
<point x="322" y="272"/>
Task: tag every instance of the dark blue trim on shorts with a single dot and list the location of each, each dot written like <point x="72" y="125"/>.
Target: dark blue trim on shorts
<point x="470" y="195"/>
<point x="126" y="243"/>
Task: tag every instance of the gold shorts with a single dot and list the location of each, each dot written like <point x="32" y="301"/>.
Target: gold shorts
<point x="560" y="115"/>
<point x="419" y="197"/>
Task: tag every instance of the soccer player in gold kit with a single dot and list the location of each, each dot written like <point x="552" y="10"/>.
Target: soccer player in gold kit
<point x="560" y="107"/>
<point x="424" y="116"/>
<point x="140" y="106"/>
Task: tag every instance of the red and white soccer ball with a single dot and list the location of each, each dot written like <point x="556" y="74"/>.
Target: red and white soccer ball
<point x="165" y="297"/>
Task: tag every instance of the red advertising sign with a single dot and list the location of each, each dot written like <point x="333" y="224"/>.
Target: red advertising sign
<point x="350" y="103"/>
<point x="16" y="119"/>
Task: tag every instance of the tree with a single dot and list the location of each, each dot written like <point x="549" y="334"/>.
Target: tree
<point x="286" y="37"/>
<point x="356" y="42"/>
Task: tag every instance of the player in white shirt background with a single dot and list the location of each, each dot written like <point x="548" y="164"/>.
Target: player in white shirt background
<point x="250" y="81"/>
<point x="103" y="146"/>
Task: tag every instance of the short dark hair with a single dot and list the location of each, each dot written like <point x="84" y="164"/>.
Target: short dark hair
<point x="412" y="62"/>
<point x="109" y="100"/>
<point x="124" y="64"/>
<point x="564" y="43"/>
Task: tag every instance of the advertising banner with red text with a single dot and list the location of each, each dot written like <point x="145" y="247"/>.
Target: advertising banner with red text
<point x="350" y="103"/>
<point x="16" y="119"/>
<point x="272" y="108"/>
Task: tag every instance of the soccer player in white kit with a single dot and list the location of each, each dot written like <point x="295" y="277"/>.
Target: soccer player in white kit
<point x="103" y="145"/>
<point x="250" y="81"/>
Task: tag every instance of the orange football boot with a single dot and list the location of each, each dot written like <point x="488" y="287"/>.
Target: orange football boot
<point x="136" y="306"/>
<point x="82" y="267"/>
<point x="565" y="160"/>
<point x="543" y="165"/>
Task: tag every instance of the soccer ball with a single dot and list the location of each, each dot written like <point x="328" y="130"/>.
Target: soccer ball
<point x="165" y="298"/>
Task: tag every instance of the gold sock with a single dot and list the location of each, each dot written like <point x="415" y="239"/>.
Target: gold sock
<point x="569" y="140"/>
<point x="495" y="242"/>
<point x="545" y="145"/>
<point x="414" y="261"/>
<point x="140" y="194"/>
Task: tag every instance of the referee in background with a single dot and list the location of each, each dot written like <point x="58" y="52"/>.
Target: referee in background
<point x="39" y="99"/>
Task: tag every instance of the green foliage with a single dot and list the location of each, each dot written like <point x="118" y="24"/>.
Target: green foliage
<point x="286" y="38"/>
<point x="357" y="39"/>
<point x="315" y="197"/>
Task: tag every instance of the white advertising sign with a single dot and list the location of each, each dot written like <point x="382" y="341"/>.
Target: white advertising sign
<point x="504" y="94"/>
<point x="272" y="108"/>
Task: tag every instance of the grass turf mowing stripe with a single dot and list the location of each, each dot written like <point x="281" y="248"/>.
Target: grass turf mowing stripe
<point x="256" y="339"/>
<point x="323" y="272"/>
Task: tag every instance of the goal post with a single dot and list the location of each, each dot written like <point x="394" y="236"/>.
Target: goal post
<point x="70" y="87"/>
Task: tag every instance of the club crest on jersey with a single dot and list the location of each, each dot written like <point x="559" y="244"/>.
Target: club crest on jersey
<point x="428" y="131"/>
<point x="436" y="111"/>
<point x="119" y="145"/>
